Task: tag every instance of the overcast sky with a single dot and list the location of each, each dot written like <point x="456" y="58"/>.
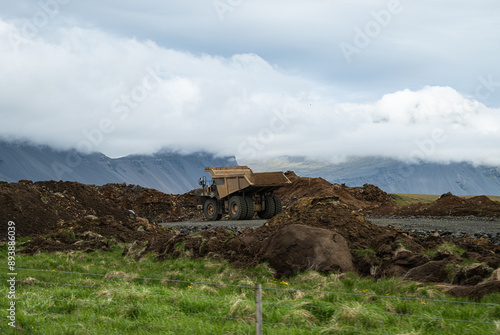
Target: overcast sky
<point x="412" y="80"/>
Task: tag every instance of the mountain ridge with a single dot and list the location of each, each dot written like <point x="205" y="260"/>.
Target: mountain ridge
<point x="176" y="173"/>
<point x="168" y="172"/>
<point x="394" y="176"/>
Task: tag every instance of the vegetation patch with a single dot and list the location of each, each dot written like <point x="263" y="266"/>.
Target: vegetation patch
<point x="450" y="248"/>
<point x="103" y="292"/>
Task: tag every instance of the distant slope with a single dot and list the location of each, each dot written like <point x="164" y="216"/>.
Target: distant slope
<point x="396" y="177"/>
<point x="165" y="171"/>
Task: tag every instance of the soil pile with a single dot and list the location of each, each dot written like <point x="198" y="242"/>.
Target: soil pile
<point x="386" y="251"/>
<point x="365" y="198"/>
<point x="45" y="207"/>
<point x="304" y="187"/>
<point x="241" y="248"/>
<point x="93" y="233"/>
<point x="152" y="204"/>
<point x="288" y="249"/>
<point x="65" y="216"/>
<point x="331" y="213"/>
<point x="447" y="205"/>
<point x="371" y="200"/>
<point x="38" y="208"/>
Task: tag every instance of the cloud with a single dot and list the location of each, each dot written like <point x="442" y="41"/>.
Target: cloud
<point x="419" y="46"/>
<point x="86" y="89"/>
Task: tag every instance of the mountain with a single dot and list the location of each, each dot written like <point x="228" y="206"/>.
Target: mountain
<point x="165" y="171"/>
<point x="176" y="173"/>
<point x="395" y="176"/>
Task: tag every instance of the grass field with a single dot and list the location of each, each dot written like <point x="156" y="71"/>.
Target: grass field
<point x="407" y="199"/>
<point x="94" y="293"/>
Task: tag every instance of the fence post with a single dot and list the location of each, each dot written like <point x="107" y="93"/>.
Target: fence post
<point x="258" y="309"/>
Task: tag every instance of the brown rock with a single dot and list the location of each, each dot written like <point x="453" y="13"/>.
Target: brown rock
<point x="472" y="274"/>
<point x="297" y="248"/>
<point x="477" y="291"/>
<point x="434" y="271"/>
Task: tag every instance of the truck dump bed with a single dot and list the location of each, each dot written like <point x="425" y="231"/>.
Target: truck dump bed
<point x="242" y="179"/>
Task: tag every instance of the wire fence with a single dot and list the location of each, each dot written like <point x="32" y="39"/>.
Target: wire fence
<point x="92" y="303"/>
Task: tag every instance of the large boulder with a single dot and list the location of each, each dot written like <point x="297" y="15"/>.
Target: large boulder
<point x="296" y="248"/>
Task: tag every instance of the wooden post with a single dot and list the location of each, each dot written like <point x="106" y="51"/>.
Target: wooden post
<point x="258" y="309"/>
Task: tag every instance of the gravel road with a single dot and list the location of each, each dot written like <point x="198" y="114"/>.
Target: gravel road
<point x="452" y="226"/>
<point x="194" y="226"/>
<point x="476" y="227"/>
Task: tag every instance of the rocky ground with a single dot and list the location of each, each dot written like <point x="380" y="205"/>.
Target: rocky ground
<point x="324" y="226"/>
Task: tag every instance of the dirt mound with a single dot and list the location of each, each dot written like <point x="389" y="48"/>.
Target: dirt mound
<point x="304" y="187"/>
<point x="365" y="198"/>
<point x="371" y="200"/>
<point x="447" y="205"/>
<point x="93" y="233"/>
<point x="152" y="204"/>
<point x="44" y="207"/>
<point x="385" y="251"/>
<point x="289" y="249"/>
<point x="36" y="208"/>
<point x="219" y="243"/>
<point x="331" y="213"/>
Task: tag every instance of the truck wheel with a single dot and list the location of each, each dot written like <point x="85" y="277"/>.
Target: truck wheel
<point x="250" y="208"/>
<point x="211" y="210"/>
<point x="237" y="207"/>
<point x="269" y="208"/>
<point x="277" y="204"/>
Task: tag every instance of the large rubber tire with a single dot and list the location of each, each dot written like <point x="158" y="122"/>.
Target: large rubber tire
<point x="250" y="208"/>
<point x="237" y="208"/>
<point x="269" y="208"/>
<point x="211" y="210"/>
<point x="277" y="204"/>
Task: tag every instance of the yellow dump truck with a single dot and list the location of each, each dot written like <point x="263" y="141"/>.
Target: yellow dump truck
<point x="240" y="192"/>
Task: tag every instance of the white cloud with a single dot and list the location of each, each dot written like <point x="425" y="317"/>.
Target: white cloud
<point x="95" y="91"/>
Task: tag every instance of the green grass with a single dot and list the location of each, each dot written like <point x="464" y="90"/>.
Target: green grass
<point x="407" y="199"/>
<point x="186" y="296"/>
<point x="450" y="248"/>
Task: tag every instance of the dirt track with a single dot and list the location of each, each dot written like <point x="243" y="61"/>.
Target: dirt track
<point x="457" y="227"/>
<point x="471" y="226"/>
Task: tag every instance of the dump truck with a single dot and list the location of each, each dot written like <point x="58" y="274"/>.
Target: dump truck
<point x="240" y="192"/>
